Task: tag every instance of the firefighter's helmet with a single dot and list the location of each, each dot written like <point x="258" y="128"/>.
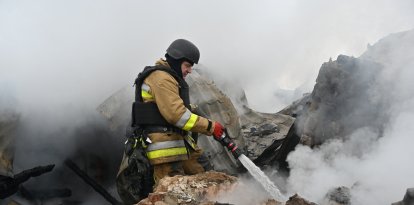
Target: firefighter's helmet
<point x="182" y="48"/>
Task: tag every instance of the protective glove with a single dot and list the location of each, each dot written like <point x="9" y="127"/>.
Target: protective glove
<point x="227" y="142"/>
<point x="218" y="130"/>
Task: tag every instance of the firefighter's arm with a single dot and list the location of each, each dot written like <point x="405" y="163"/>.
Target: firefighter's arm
<point x="171" y="106"/>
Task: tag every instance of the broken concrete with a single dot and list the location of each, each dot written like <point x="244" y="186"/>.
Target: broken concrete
<point x="117" y="109"/>
<point x="253" y="132"/>
<point x="347" y="96"/>
<point x="351" y="93"/>
<point x="203" y="189"/>
<point x="195" y="189"/>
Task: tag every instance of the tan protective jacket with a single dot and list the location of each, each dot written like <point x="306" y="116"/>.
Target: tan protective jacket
<point x="163" y="89"/>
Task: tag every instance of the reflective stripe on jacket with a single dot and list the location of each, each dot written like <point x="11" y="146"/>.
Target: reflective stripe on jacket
<point x="163" y="89"/>
<point x="166" y="149"/>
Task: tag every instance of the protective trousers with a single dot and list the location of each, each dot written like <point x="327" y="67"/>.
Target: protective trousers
<point x="186" y="167"/>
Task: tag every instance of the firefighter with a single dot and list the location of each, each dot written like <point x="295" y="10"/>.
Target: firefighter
<point x="162" y="120"/>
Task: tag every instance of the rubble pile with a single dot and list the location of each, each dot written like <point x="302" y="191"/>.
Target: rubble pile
<point x="265" y="138"/>
<point x="348" y="95"/>
<point x="203" y="189"/>
<point x="195" y="189"/>
<point x="269" y="138"/>
<point x="351" y="93"/>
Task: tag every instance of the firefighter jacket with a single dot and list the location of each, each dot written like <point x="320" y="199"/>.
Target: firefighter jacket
<point x="170" y="96"/>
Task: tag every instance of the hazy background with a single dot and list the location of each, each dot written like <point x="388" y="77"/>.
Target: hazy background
<point x="79" y="52"/>
<point x="60" y="59"/>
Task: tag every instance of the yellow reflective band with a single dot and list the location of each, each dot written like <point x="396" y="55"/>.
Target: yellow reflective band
<point x="166" y="152"/>
<point x="146" y="95"/>
<point x="191" y="122"/>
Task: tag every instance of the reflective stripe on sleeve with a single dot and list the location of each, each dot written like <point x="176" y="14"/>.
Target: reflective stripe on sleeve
<point x="167" y="152"/>
<point x="191" y="122"/>
<point x="165" y="145"/>
<point x="145" y="87"/>
<point x="187" y="120"/>
<point x="145" y="92"/>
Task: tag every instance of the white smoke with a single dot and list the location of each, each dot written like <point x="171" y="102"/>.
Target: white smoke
<point x="378" y="171"/>
<point x="80" y="52"/>
<point x="379" y="174"/>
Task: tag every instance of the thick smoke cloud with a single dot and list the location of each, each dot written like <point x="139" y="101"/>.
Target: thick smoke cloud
<point x="377" y="169"/>
<point x="378" y="172"/>
<point x="59" y="51"/>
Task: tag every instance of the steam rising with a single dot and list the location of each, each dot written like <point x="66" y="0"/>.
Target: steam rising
<point x="378" y="170"/>
<point x="60" y="59"/>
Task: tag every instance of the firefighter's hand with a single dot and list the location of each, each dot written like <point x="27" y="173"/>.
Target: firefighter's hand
<point x="218" y="130"/>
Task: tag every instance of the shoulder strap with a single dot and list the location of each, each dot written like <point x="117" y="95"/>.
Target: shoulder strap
<point x="147" y="71"/>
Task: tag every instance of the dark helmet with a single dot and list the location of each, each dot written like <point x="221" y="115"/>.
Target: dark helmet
<point x="182" y="48"/>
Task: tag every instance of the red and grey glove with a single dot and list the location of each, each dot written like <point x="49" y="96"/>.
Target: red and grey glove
<point x="227" y="142"/>
<point x="218" y="130"/>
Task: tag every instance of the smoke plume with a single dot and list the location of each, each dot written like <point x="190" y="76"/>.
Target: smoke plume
<point x="375" y="165"/>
